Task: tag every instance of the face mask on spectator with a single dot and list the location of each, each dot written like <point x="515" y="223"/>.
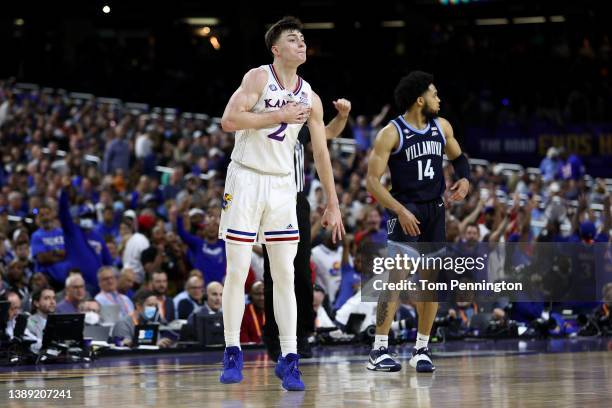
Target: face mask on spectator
<point x="149" y="312"/>
<point x="92" y="318"/>
<point x="86" y="223"/>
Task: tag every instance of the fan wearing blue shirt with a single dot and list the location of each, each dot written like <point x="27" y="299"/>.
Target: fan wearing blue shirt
<point x="48" y="247"/>
<point x="208" y="254"/>
<point x="86" y="249"/>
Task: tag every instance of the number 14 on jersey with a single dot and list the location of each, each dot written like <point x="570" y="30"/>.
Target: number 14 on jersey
<point x="429" y="172"/>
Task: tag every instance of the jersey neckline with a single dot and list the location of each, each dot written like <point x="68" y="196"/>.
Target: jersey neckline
<point x="298" y="86"/>
<point x="409" y="126"/>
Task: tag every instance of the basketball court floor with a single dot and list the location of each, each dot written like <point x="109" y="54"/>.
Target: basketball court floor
<point x="510" y="373"/>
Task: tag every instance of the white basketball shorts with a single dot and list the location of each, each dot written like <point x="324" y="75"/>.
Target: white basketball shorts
<point x="258" y="207"/>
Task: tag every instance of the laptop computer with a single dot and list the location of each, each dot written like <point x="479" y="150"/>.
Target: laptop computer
<point x="146" y="334"/>
<point x="63" y="328"/>
<point x="209" y="329"/>
<point x="109" y="314"/>
<point x="97" y="333"/>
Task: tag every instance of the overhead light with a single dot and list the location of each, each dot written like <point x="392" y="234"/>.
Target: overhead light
<point x="318" y="26"/>
<point x="202" y="21"/>
<point x="214" y="41"/>
<point x="557" y="19"/>
<point x="529" y="20"/>
<point x="106" y="9"/>
<point x="393" y="24"/>
<point x="203" y="32"/>
<point x="491" y="21"/>
<point x="19" y="22"/>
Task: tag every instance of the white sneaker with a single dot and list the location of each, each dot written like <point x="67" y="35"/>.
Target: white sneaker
<point x="421" y="360"/>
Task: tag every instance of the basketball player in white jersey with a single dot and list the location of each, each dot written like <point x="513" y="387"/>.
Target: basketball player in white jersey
<point x="267" y="112"/>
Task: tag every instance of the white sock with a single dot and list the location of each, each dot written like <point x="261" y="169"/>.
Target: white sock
<point x="288" y="344"/>
<point x="421" y="341"/>
<point x="285" y="306"/>
<point x="232" y="339"/>
<point x="232" y="301"/>
<point x="380" y="340"/>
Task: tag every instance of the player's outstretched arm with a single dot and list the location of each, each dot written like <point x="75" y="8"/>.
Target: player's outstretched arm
<point x="238" y="115"/>
<point x="386" y="141"/>
<point x="331" y="216"/>
<point x="460" y="163"/>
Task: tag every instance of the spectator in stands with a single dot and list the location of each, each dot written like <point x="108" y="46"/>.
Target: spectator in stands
<point x="372" y="226"/>
<point x="350" y="278"/>
<point x="48" y="247"/>
<point x="322" y="319"/>
<point x="107" y="279"/>
<point x="109" y="225"/>
<point x="184" y="294"/>
<point x="550" y="167"/>
<point x="212" y="306"/>
<point x="214" y="293"/>
<point x="22" y="254"/>
<point x="137" y="243"/>
<point x="85" y="249"/>
<point x="208" y="254"/>
<point x="91" y="308"/>
<point x="16" y="207"/>
<point x="195" y="290"/>
<point x="125" y="284"/>
<point x="75" y="294"/>
<point x="16" y="280"/>
<point x="327" y="258"/>
<point x="146" y="312"/>
<point x="159" y="286"/>
<point x="254" y="317"/>
<point x="43" y="304"/>
<point x="14" y="310"/>
<point x="117" y="153"/>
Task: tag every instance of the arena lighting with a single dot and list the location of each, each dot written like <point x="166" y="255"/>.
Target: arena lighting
<point x="491" y="21"/>
<point x="106" y="9"/>
<point x="202" y="21"/>
<point x="557" y="19"/>
<point x="203" y="32"/>
<point x="529" y="20"/>
<point x="393" y="24"/>
<point x="319" y="26"/>
<point x="214" y="41"/>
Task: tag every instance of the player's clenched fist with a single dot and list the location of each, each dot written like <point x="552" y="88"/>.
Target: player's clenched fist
<point x="343" y="106"/>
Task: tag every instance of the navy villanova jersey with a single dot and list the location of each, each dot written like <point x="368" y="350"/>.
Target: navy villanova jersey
<point x="417" y="164"/>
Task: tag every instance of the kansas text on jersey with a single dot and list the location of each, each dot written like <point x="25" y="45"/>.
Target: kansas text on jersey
<point x="271" y="150"/>
<point x="417" y="163"/>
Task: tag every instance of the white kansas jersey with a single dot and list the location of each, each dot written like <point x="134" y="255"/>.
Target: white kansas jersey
<point x="271" y="150"/>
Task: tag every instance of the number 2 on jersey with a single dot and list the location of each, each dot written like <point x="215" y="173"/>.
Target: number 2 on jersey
<point x="277" y="134"/>
<point x="429" y="172"/>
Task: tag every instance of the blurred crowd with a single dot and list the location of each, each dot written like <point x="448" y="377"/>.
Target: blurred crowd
<point x="107" y="206"/>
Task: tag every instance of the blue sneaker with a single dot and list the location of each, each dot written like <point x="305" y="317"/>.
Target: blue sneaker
<point x="232" y="366"/>
<point x="382" y="360"/>
<point x="281" y="366"/>
<point x="291" y="375"/>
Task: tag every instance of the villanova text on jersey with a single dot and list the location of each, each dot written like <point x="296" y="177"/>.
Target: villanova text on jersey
<point x="417" y="164"/>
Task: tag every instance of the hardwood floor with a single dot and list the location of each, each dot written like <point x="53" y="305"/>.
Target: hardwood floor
<point x="531" y="380"/>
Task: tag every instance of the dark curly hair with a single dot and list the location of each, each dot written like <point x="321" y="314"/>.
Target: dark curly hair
<point x="287" y="23"/>
<point x="410" y="87"/>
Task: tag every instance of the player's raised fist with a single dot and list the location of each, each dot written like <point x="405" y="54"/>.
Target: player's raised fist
<point x="343" y="106"/>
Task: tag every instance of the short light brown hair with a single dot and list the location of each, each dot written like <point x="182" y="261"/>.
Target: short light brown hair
<point x="287" y="23"/>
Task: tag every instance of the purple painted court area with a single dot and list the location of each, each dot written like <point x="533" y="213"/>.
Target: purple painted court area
<point x="339" y="354"/>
